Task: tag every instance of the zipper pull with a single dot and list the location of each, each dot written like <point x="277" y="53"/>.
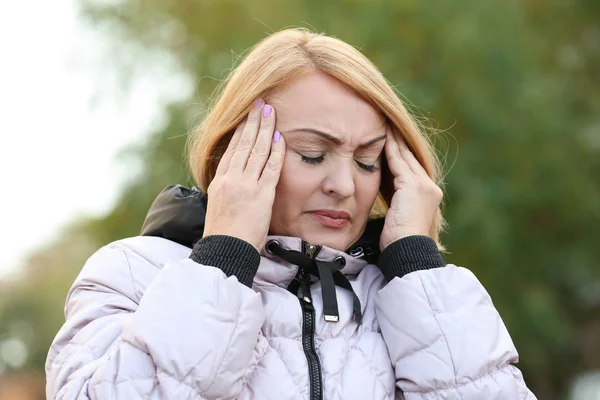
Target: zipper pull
<point x="304" y="292"/>
<point x="311" y="250"/>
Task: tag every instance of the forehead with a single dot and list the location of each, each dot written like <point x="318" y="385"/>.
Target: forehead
<point x="319" y="101"/>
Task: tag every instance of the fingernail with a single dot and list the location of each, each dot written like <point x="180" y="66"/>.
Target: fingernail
<point x="267" y="111"/>
<point x="276" y="136"/>
<point x="258" y="103"/>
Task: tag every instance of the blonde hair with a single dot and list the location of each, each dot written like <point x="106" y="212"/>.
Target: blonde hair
<point x="282" y="57"/>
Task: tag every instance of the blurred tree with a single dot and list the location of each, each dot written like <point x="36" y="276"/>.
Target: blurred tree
<point x="517" y="83"/>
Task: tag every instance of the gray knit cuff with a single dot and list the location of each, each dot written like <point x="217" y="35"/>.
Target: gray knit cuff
<point x="409" y="254"/>
<point x="231" y="255"/>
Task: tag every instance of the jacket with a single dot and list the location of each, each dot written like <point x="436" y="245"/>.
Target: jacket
<point x="149" y="317"/>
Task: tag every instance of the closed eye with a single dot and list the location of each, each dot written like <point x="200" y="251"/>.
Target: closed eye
<point x="319" y="159"/>
<point x="367" y="167"/>
<point x="313" y="160"/>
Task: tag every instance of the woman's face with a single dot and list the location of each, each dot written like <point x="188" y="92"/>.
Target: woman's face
<point x="331" y="174"/>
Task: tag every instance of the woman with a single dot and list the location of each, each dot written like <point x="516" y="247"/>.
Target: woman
<point x="315" y="270"/>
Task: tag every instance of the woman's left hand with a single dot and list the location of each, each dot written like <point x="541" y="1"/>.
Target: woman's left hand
<point x="416" y="196"/>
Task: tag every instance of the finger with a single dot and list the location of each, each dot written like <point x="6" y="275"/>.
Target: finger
<point x="226" y="158"/>
<point x="408" y="156"/>
<point x="262" y="148"/>
<point x="247" y="138"/>
<point x="272" y="170"/>
<point x="397" y="165"/>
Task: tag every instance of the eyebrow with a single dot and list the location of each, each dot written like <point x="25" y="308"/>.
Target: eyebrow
<point x="336" y="140"/>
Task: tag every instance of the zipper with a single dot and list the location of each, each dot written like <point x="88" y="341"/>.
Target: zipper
<point x="311" y="250"/>
<point x="308" y="328"/>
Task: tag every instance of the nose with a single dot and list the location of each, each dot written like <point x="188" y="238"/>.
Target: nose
<point x="339" y="180"/>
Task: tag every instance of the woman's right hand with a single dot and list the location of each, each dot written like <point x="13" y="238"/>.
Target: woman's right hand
<point x="241" y="195"/>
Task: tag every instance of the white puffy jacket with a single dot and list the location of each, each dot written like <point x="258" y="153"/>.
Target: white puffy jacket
<point x="144" y="321"/>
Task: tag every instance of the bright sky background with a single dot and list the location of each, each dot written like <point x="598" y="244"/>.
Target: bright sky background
<point x="57" y="154"/>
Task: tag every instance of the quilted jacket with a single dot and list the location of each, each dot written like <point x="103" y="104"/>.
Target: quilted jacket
<point x="150" y="318"/>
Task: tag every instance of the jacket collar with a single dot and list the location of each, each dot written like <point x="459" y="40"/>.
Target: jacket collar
<point x="178" y="214"/>
<point x="352" y="264"/>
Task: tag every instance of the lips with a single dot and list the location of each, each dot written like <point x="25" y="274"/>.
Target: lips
<point x="331" y="218"/>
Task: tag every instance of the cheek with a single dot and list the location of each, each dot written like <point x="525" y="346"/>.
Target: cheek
<point x="369" y="188"/>
<point x="295" y="187"/>
<point x="298" y="180"/>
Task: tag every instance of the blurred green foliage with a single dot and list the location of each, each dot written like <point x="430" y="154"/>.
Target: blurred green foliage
<point x="513" y="85"/>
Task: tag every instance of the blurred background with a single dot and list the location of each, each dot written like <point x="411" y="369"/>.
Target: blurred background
<point x="97" y="97"/>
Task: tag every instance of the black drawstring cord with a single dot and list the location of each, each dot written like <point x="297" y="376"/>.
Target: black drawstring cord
<point x="329" y="274"/>
<point x="343" y="282"/>
<point x="330" y="305"/>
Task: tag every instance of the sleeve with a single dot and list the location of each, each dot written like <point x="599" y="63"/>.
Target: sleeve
<point x="193" y="333"/>
<point x="445" y="337"/>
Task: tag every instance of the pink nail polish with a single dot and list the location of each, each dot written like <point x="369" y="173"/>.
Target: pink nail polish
<point x="258" y="103"/>
<point x="267" y="111"/>
<point x="276" y="136"/>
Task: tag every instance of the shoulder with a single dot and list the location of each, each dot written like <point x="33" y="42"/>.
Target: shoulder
<point x="128" y="266"/>
<point x="138" y="252"/>
<point x="154" y="251"/>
